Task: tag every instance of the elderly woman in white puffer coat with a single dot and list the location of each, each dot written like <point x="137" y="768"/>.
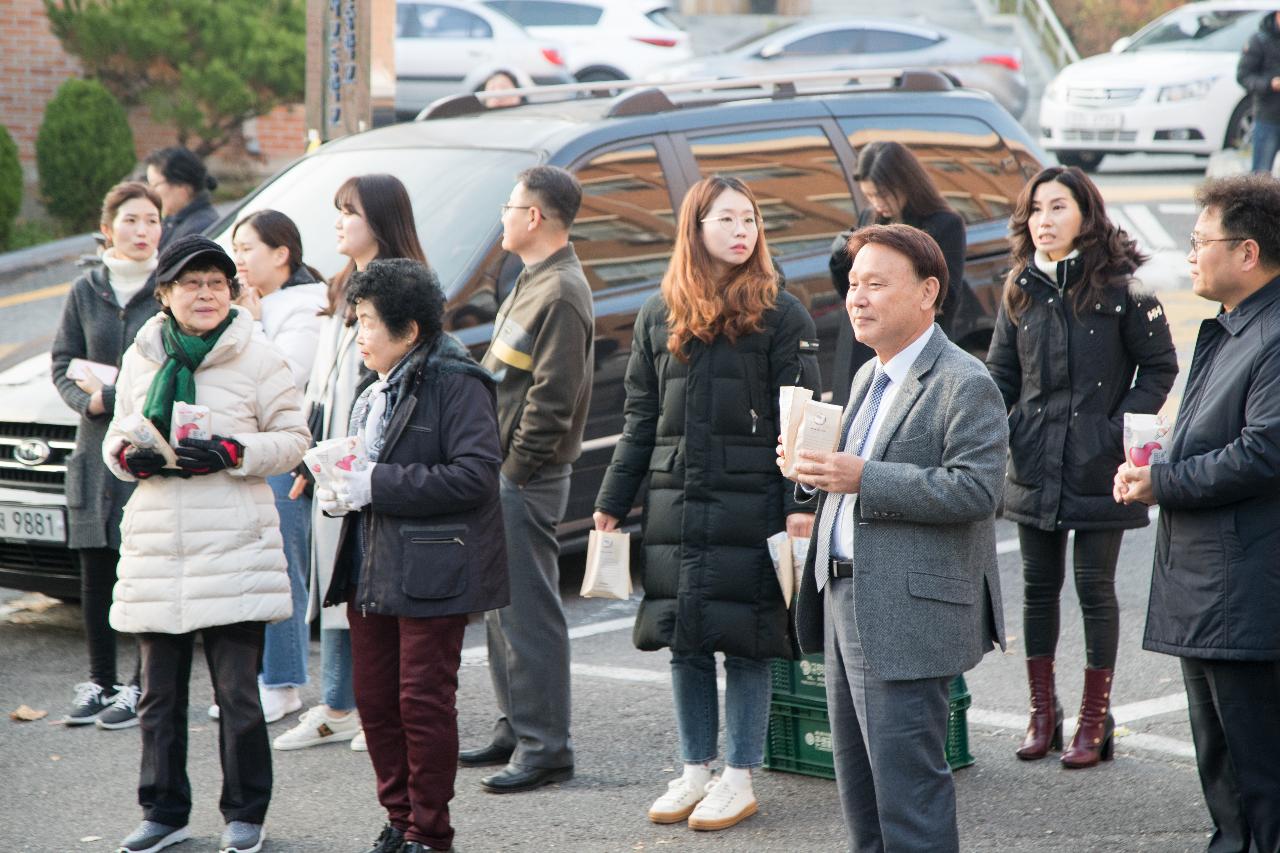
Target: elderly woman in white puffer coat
<point x="201" y="550"/>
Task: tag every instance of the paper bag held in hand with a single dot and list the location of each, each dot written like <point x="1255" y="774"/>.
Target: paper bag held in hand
<point x="608" y="573"/>
<point x="140" y="432"/>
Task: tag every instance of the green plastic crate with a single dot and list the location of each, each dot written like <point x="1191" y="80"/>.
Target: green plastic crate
<point x="800" y="682"/>
<point x="800" y="736"/>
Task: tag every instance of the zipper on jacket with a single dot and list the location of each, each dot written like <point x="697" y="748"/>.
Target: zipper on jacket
<point x="755" y="419"/>
<point x="448" y="540"/>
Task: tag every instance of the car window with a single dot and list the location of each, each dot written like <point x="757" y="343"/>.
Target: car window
<point x="667" y="18"/>
<point x="968" y="161"/>
<point x="1217" y="30"/>
<point x="832" y="41"/>
<point x="892" y="41"/>
<point x="429" y="21"/>
<point x="455" y="192"/>
<point x="545" y="13"/>
<point x="625" y="229"/>
<point x="801" y="188"/>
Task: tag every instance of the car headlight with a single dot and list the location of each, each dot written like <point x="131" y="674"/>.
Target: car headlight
<point x="1186" y="91"/>
<point x="1055" y="90"/>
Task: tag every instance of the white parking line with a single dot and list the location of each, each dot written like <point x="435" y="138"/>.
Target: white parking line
<point x="1178" y="208"/>
<point x="1156" y="235"/>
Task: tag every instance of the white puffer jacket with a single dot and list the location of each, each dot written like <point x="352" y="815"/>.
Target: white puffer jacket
<point x="207" y="550"/>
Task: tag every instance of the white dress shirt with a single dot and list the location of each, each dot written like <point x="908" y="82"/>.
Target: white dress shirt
<point x="896" y="369"/>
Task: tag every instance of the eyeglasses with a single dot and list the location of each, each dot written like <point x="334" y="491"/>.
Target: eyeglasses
<point x="507" y="207"/>
<point x="729" y="223"/>
<point x="1197" y="243"/>
<point x="193" y="285"/>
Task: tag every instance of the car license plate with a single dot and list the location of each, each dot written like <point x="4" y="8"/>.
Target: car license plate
<point x="32" y="523"/>
<point x="1101" y="120"/>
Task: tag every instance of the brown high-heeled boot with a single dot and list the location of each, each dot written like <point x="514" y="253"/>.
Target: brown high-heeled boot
<point x="1094" y="740"/>
<point x="1044" y="731"/>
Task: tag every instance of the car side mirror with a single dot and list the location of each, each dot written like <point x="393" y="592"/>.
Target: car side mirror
<point x="769" y="51"/>
<point x="1120" y="44"/>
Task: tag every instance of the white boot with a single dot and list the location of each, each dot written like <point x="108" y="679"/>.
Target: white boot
<point x="682" y="795"/>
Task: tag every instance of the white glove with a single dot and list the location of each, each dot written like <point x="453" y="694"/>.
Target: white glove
<point x="329" y="503"/>
<point x="354" y="488"/>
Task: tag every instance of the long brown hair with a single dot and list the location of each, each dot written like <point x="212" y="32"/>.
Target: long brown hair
<point x="275" y="229"/>
<point x="1108" y="256"/>
<point x="895" y="171"/>
<point x="384" y="202"/>
<point x="699" y="305"/>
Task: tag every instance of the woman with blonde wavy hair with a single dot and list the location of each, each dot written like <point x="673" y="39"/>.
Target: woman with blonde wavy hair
<point x="708" y="356"/>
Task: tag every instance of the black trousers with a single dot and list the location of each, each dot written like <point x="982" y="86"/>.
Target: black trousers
<point x="97" y="581"/>
<point x="1235" y="723"/>
<point x="1044" y="566"/>
<point x="234" y="653"/>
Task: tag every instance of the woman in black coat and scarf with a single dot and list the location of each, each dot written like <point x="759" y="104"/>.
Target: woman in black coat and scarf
<point x="1076" y="345"/>
<point x="709" y="354"/>
<point x="421" y="545"/>
<point x="103" y="313"/>
<point x="183" y="184"/>
<point x="897" y="189"/>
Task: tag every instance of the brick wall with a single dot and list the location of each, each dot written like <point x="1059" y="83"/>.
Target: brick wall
<point x="33" y="65"/>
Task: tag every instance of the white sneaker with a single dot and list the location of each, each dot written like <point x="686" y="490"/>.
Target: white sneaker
<point x="357" y="742"/>
<point x="316" y="726"/>
<point x="682" y="795"/>
<point x="214" y="713"/>
<point x="723" y="806"/>
<point x="277" y="702"/>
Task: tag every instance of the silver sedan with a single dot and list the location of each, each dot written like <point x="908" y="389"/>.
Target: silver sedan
<point x="854" y="43"/>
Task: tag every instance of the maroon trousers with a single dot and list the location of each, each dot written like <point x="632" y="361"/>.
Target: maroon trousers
<point x="406" y="684"/>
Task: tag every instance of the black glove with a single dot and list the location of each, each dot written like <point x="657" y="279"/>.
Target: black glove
<point x="141" y="462"/>
<point x="201" y="456"/>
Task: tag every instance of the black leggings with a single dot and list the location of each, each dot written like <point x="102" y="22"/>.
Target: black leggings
<point x="97" y="580"/>
<point x="1044" y="558"/>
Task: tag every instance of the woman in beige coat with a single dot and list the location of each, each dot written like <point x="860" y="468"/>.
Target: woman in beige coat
<point x="200" y="541"/>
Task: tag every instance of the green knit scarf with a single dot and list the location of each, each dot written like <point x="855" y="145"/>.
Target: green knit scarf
<point x="176" y="379"/>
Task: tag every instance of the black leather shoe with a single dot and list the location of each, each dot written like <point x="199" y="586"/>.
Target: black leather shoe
<point x="512" y="779"/>
<point x="416" y="847"/>
<point x="391" y="840"/>
<point x="486" y="756"/>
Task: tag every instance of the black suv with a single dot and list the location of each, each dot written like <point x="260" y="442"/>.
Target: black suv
<point x="636" y="150"/>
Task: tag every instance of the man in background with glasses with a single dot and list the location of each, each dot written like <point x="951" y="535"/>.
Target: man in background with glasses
<point x="1215" y="587"/>
<point x="542" y="357"/>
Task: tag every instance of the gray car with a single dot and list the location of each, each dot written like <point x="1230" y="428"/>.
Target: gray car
<point x="837" y="43"/>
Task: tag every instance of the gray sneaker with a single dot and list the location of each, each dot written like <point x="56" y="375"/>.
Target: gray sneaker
<point x="123" y="713"/>
<point x="151" y="836"/>
<point x="242" y="837"/>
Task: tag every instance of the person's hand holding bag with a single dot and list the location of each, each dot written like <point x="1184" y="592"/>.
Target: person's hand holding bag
<point x="205" y="456"/>
<point x="329" y="504"/>
<point x="141" y="462"/>
<point x="354" y="488"/>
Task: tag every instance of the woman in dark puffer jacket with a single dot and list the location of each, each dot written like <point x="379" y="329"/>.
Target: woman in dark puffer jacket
<point x="1076" y="346"/>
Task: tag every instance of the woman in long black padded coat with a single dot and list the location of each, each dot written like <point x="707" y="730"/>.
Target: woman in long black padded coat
<point x="708" y="357"/>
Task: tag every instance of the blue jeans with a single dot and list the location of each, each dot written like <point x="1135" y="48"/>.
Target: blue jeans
<point x="335" y="669"/>
<point x="748" y="686"/>
<point x="287" y="643"/>
<point x="1266" y="141"/>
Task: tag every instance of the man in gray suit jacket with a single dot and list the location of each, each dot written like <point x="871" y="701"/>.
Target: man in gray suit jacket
<point x="901" y="590"/>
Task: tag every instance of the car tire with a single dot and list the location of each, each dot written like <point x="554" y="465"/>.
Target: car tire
<point x="1087" y="160"/>
<point x="1240" y="127"/>
<point x="599" y="75"/>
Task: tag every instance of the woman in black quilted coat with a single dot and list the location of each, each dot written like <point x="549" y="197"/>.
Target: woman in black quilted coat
<point x="708" y="357"/>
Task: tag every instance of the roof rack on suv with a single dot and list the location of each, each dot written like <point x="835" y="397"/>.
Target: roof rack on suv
<point x="640" y="97"/>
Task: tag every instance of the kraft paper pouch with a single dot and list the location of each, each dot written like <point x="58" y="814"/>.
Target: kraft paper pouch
<point x="347" y="453"/>
<point x="1145" y="439"/>
<point x="140" y="432"/>
<point x="191" y="421"/>
<point x="791" y="403"/>
<point x="788" y="554"/>
<point x="608" y="573"/>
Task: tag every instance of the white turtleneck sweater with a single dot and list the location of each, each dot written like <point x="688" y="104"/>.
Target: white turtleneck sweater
<point x="1048" y="266"/>
<point x="127" y="277"/>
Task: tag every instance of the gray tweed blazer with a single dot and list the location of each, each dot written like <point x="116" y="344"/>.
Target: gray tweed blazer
<point x="926" y="582"/>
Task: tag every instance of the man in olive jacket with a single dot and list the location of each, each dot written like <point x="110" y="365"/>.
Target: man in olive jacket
<point x="1215" y="587"/>
<point x="542" y="356"/>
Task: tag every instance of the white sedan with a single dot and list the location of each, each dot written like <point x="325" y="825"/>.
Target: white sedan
<point x="1170" y="88"/>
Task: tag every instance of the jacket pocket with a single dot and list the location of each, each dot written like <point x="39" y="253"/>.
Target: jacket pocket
<point x="941" y="588"/>
<point x="433" y="561"/>
<point x="663" y="458"/>
<point x="760" y="459"/>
